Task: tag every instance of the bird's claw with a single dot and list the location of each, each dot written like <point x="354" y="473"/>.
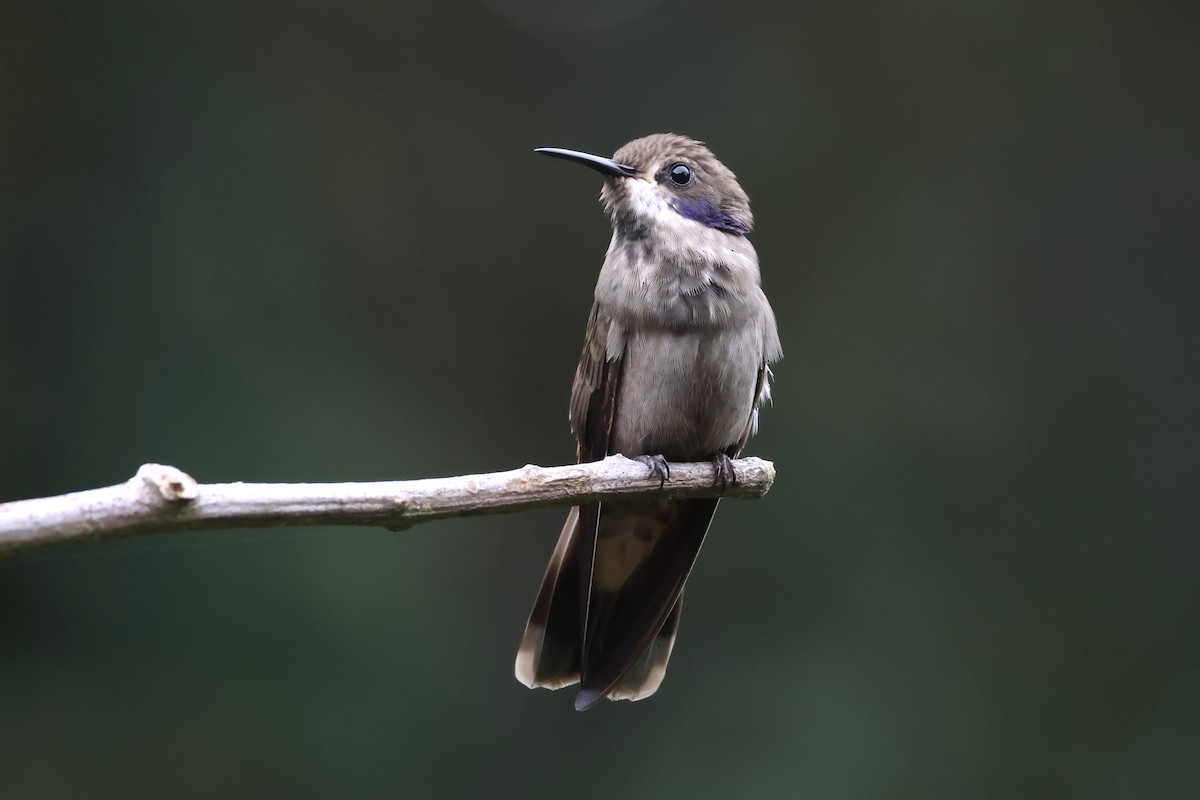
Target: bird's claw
<point x="658" y="468"/>
<point x="723" y="466"/>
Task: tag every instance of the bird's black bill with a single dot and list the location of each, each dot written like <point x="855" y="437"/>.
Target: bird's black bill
<point x="598" y="163"/>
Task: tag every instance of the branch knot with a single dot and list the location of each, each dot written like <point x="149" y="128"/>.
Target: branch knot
<point x="173" y="484"/>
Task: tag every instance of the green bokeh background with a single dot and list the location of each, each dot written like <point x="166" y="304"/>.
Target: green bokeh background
<point x="304" y="241"/>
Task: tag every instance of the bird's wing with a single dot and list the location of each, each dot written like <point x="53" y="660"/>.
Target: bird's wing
<point x="762" y="395"/>
<point x="549" y="655"/>
<point x="594" y="393"/>
<point x="593" y="409"/>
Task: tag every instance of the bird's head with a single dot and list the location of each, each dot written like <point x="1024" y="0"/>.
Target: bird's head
<point x="666" y="178"/>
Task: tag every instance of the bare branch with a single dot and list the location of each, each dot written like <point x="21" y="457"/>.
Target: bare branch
<point x="161" y="499"/>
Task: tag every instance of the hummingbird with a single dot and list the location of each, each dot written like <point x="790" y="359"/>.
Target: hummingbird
<point x="675" y="367"/>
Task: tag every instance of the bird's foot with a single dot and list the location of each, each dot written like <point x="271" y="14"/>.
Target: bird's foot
<point x="658" y="468"/>
<point x="723" y="466"/>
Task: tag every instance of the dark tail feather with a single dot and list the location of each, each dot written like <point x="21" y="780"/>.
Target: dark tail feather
<point x="644" y="553"/>
<point x="632" y="623"/>
<point x="645" y="676"/>
<point x="549" y="653"/>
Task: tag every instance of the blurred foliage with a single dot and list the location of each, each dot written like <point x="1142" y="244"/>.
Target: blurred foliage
<point x="302" y="241"/>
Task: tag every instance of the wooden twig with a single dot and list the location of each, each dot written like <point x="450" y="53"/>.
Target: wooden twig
<point x="161" y="499"/>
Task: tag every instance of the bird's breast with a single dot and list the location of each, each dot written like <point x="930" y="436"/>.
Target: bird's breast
<point x="686" y="396"/>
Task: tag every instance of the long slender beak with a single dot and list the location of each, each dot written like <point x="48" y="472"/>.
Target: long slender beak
<point x="604" y="165"/>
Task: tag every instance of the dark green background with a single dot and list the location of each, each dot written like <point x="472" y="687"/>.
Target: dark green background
<point x="300" y="241"/>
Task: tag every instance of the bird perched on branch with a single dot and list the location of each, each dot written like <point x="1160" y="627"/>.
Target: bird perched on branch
<point x="675" y="367"/>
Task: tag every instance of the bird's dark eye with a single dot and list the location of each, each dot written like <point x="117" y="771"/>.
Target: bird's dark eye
<point x="680" y="174"/>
